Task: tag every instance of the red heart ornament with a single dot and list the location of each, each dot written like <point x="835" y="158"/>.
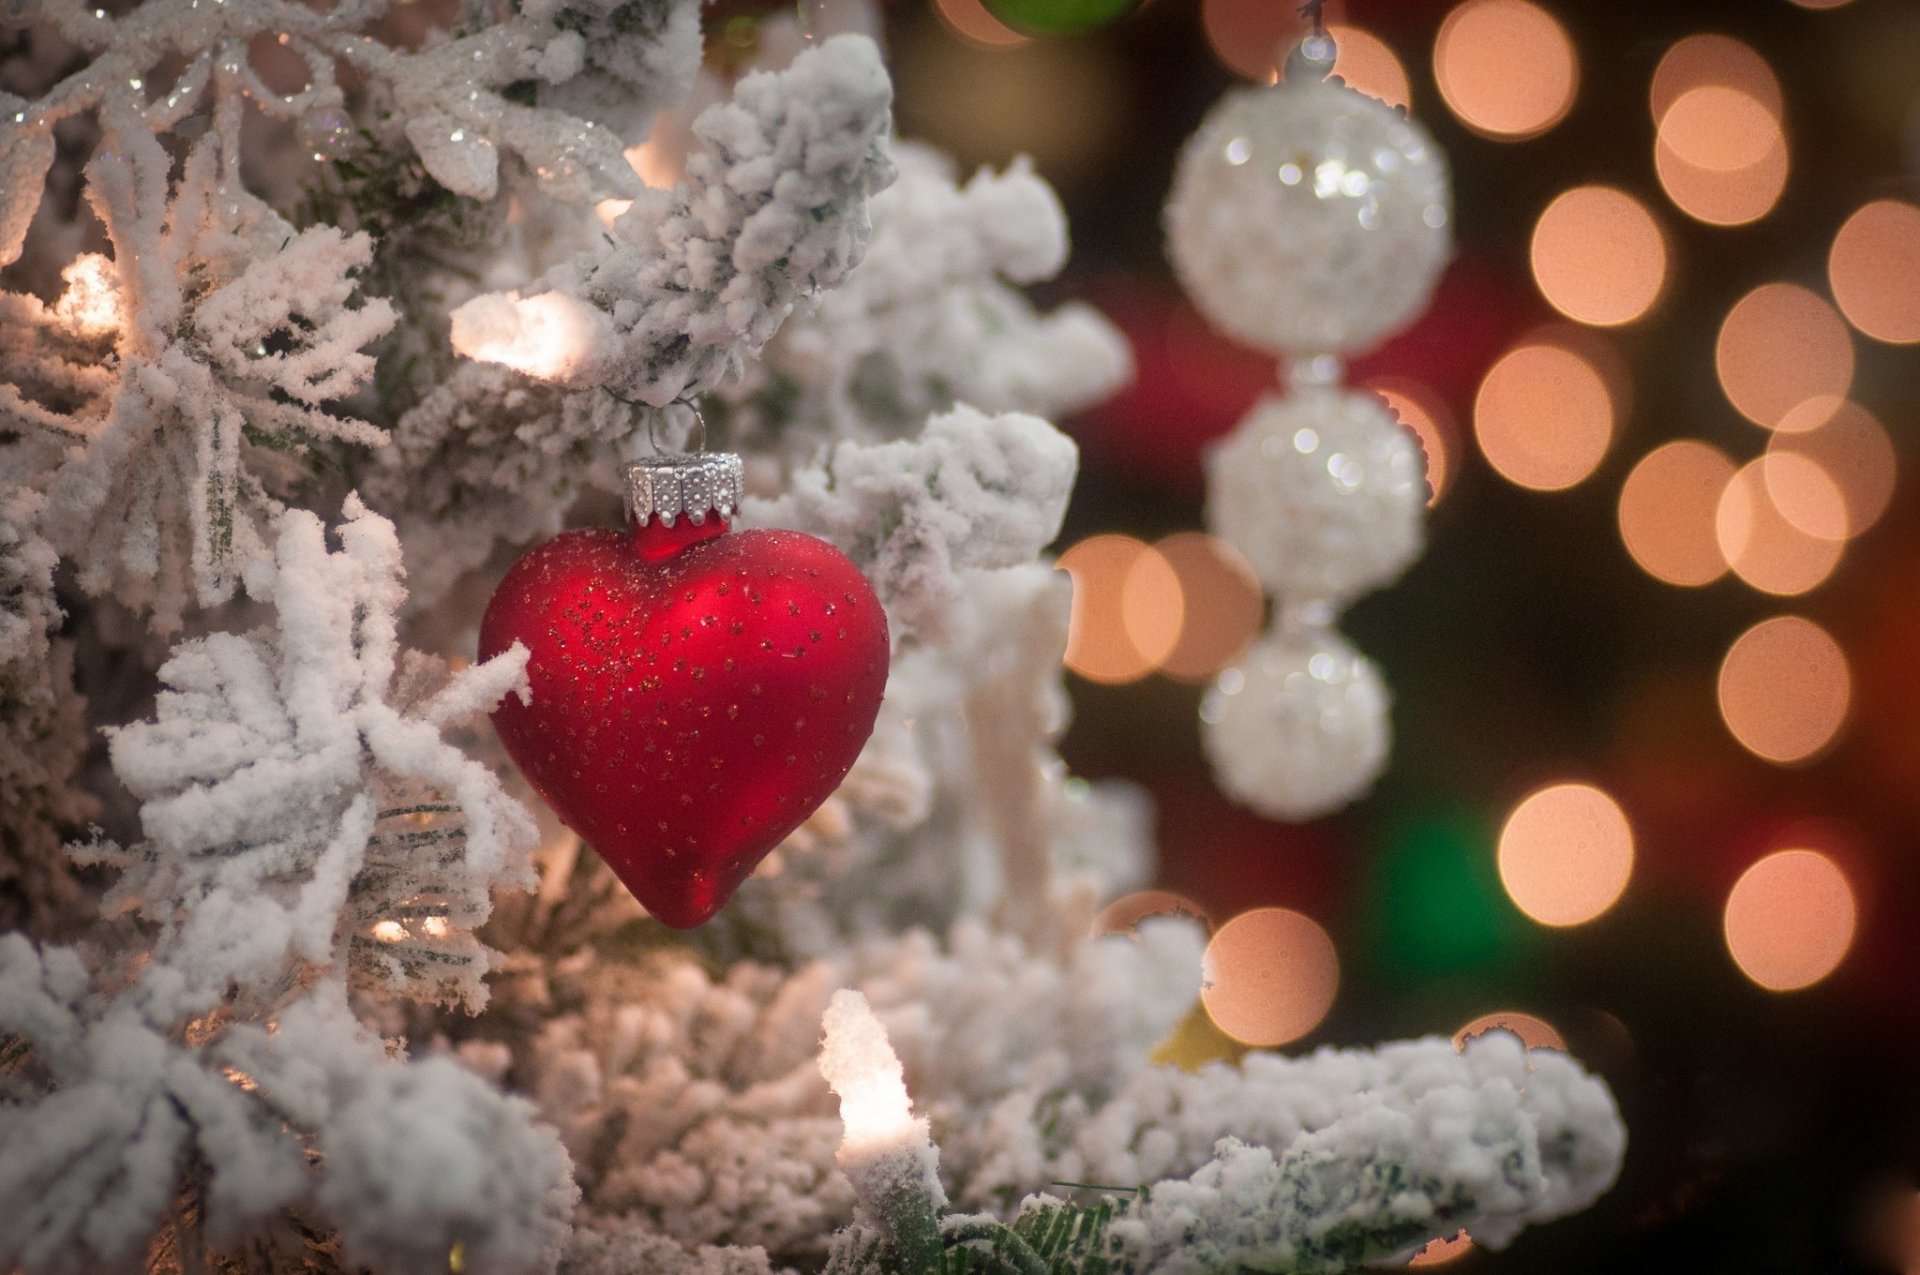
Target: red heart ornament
<point x="697" y="693"/>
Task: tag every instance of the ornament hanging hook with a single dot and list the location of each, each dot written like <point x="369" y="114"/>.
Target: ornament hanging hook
<point x="1312" y="58"/>
<point x="654" y="416"/>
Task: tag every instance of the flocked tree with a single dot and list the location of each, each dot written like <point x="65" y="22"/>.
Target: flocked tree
<point x="309" y="327"/>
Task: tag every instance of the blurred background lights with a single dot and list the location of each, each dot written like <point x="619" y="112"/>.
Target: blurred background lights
<point x="1762" y="545"/>
<point x="1719" y="128"/>
<point x="1187" y="607"/>
<point x="1250" y="36"/>
<point x="1441" y="1251"/>
<point x="1780" y="346"/>
<point x="1790" y="919"/>
<point x="1425" y="413"/>
<point x="970" y="20"/>
<point x="1118" y="630"/>
<point x="1124" y="914"/>
<point x="1702" y="61"/>
<point x="1565" y="854"/>
<point x="1269" y="976"/>
<point x="1534" y="1032"/>
<point x="1368" y="66"/>
<point x="1723" y="197"/>
<point x="1851" y="447"/>
<point x="1805" y="494"/>
<point x="1720" y="147"/>
<point x="1668" y="507"/>
<point x="1506" y="68"/>
<point x="1874" y="269"/>
<point x="1221" y="605"/>
<point x="1784" y="689"/>
<point x="1599" y="256"/>
<point x="1544" y="415"/>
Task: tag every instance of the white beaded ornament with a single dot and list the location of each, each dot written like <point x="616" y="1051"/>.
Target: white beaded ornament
<point x="1323" y="492"/>
<point x="1298" y="728"/>
<point x="1311" y="221"/>
<point x="1309" y="217"/>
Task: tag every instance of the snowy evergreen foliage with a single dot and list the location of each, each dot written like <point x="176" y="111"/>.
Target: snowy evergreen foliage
<point x="290" y="292"/>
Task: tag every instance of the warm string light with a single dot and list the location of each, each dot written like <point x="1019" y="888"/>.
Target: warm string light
<point x="90" y="306"/>
<point x="860" y="1066"/>
<point x="885" y="1151"/>
<point x="546" y="336"/>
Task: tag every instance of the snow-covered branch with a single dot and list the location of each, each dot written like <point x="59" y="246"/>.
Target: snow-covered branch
<point x="772" y="209"/>
<point x="932" y="318"/>
<point x="301" y="813"/>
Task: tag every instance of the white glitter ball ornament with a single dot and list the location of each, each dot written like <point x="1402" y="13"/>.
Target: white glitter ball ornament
<point x="1298" y="728"/>
<point x="1322" y="491"/>
<point x="1310" y="218"/>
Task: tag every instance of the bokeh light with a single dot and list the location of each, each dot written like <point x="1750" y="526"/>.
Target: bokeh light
<point x="1505" y="68"/>
<point x="1534" y="1032"/>
<point x="1784" y="689"/>
<point x="1222" y="606"/>
<point x="1668" y="508"/>
<point x="1719" y="128"/>
<point x="1731" y="198"/>
<point x="970" y="20"/>
<point x="1805" y="494"/>
<point x="1702" y="61"/>
<point x="1720" y="148"/>
<point x="1854" y="450"/>
<point x="1759" y="541"/>
<point x="1251" y="36"/>
<point x="1544" y="416"/>
<point x="1874" y="268"/>
<point x="1424" y="413"/>
<point x="1369" y="66"/>
<point x="1599" y="256"/>
<point x="1127" y="608"/>
<point x="1565" y="854"/>
<point x="1790" y="919"/>
<point x="1441" y="1251"/>
<point x="1269" y="976"/>
<point x="1780" y="346"/>
<point x="1124" y="914"/>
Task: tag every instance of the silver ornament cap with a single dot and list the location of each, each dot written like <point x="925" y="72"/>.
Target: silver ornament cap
<point x="667" y="487"/>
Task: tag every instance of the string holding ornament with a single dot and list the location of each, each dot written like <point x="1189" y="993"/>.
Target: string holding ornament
<point x="1312" y="221"/>
<point x="696" y="692"/>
